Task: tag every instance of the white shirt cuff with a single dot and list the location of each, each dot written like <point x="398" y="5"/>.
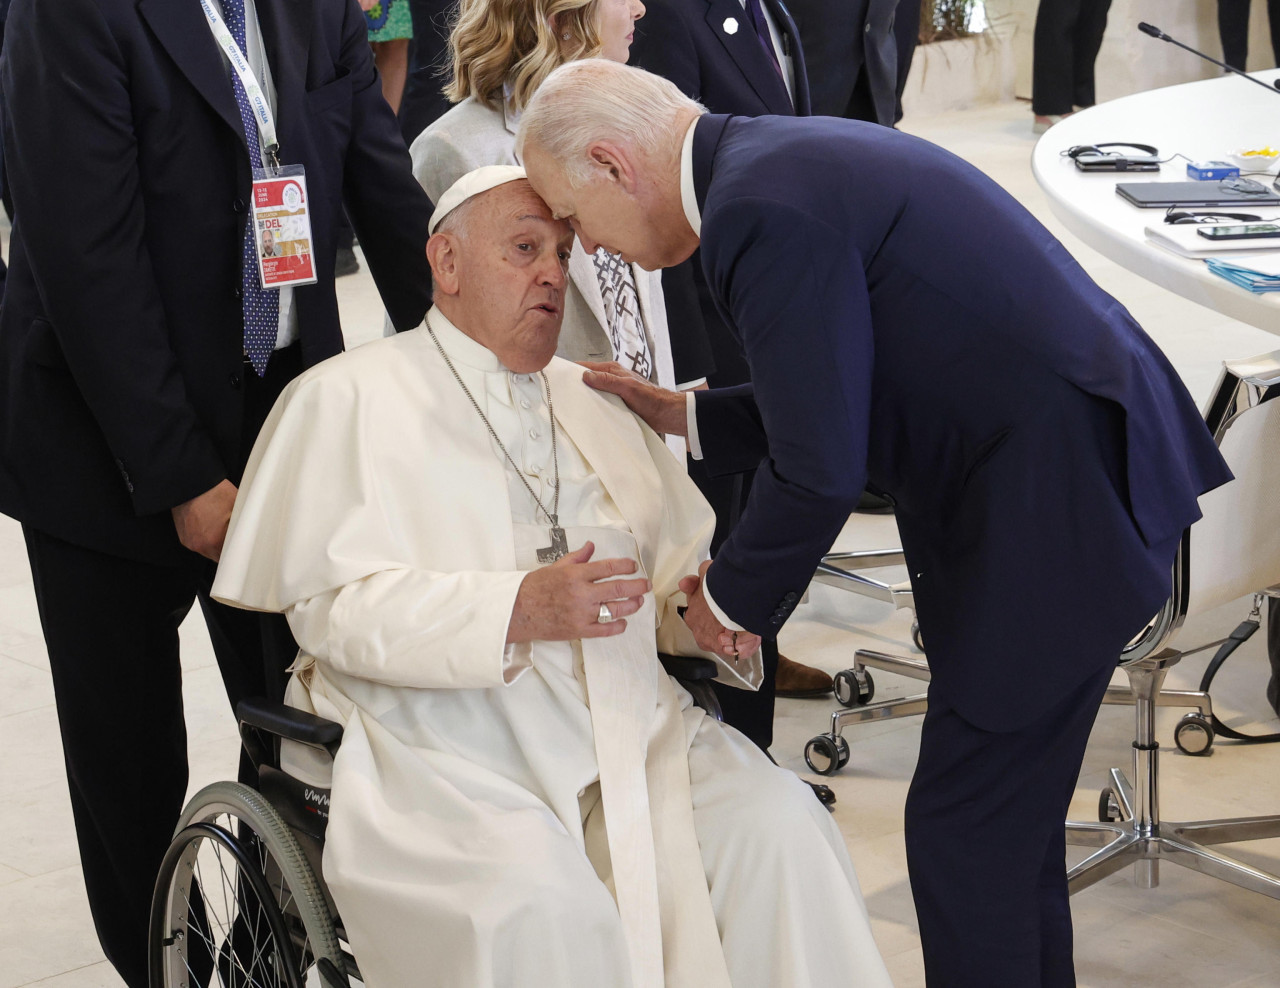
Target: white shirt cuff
<point x="721" y="616"/>
<point x="691" y="424"/>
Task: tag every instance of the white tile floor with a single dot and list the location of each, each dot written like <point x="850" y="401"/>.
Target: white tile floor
<point x="1190" y="931"/>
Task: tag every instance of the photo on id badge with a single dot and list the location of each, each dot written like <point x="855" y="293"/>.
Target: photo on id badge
<point x="281" y="217"/>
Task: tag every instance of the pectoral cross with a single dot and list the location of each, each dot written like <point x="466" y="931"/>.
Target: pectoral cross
<point x="559" y="545"/>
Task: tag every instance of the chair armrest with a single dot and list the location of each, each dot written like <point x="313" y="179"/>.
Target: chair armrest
<point x="259" y="717"/>
<point x="688" y="667"/>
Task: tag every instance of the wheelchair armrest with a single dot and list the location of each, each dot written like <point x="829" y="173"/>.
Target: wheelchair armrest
<point x="688" y="668"/>
<point x="259" y="717"/>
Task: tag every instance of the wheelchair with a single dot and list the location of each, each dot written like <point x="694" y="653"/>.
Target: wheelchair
<point x="239" y="899"/>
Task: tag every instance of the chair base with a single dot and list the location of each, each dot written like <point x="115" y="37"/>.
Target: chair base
<point x="1128" y="842"/>
<point x="827" y="753"/>
<point x="1131" y="832"/>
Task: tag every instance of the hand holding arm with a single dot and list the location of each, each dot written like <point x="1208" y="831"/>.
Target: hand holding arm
<point x="202" y="521"/>
<point x="710" y="634"/>
<point x="561" y="602"/>
<point x="663" y="411"/>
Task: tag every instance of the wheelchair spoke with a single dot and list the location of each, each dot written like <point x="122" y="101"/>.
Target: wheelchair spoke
<point x="208" y="904"/>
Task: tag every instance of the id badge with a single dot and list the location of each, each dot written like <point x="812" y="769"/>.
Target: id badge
<point x="282" y="222"/>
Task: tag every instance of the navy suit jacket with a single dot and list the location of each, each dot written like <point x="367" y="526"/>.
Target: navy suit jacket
<point x="908" y="323"/>
<point x="121" y="354"/>
<point x="685" y="41"/>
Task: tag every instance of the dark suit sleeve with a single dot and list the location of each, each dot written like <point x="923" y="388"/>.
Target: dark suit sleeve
<point x="797" y="293"/>
<point x="387" y="206"/>
<point x="71" y="152"/>
<point x="730" y="430"/>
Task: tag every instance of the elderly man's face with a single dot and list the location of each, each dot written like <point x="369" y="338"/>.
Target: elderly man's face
<point x="502" y="275"/>
<point x="618" y="211"/>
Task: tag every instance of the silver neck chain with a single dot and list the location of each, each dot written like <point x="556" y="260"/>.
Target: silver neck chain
<point x="554" y="513"/>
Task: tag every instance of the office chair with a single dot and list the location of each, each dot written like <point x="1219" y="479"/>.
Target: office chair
<point x="1234" y="550"/>
<point x="854" y="687"/>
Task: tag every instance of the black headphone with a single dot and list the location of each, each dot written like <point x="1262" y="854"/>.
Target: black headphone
<point x="1096" y="157"/>
<point x="1171" y="216"/>
<point x="1095" y="150"/>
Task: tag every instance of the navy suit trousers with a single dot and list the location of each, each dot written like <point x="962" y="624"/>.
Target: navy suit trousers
<point x="986" y="844"/>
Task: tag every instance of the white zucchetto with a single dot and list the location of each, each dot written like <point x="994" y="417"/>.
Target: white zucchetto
<point x="472" y="184"/>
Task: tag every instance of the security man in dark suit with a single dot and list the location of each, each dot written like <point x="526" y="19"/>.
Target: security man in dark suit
<point x="743" y="57"/>
<point x="139" y="354"/>
<point x="852" y="53"/>
<point x="907" y="322"/>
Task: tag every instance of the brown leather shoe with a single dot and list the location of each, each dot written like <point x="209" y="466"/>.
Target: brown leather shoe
<point x="795" y="680"/>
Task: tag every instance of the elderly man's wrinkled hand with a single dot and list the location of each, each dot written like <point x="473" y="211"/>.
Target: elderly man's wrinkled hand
<point x="663" y="411"/>
<point x="202" y="522"/>
<point x="709" y="633"/>
<point x="567" y="600"/>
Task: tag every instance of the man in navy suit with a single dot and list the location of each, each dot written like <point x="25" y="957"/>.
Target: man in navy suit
<point x="742" y="57"/>
<point x="907" y="322"/>
<point x="139" y="355"/>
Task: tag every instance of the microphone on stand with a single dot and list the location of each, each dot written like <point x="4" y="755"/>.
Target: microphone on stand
<point x="1155" y="32"/>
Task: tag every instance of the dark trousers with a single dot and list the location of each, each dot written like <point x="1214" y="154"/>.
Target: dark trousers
<point x="111" y="628"/>
<point x="424" y="100"/>
<point x="750" y="711"/>
<point x="986" y="844"/>
<point x="906" y="35"/>
<point x="1067" y="38"/>
<point x="1233" y="28"/>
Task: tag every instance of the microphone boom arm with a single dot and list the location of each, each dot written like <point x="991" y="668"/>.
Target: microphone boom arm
<point x="1155" y="32"/>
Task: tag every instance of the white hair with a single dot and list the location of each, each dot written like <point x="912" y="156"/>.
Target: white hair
<point x="595" y="99"/>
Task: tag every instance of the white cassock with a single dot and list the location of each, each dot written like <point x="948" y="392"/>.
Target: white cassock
<point x="466" y="843"/>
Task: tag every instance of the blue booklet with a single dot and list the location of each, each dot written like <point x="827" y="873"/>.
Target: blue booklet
<point x="1248" y="278"/>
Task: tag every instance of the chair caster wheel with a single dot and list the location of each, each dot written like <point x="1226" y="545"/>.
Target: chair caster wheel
<point x="827" y="753"/>
<point x="916" y="637"/>
<point x="1194" y="734"/>
<point x="1108" y="806"/>
<point x="854" y="688"/>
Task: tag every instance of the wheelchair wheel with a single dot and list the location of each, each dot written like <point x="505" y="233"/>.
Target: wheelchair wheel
<point x="916" y="638"/>
<point x="826" y="754"/>
<point x="236" y="895"/>
<point x="852" y="689"/>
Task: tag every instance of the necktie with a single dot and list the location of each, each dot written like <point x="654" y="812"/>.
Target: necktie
<point x="261" y="306"/>
<point x="756" y="13"/>
<point x="622" y="312"/>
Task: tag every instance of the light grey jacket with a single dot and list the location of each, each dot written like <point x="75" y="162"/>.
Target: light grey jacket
<point x="472" y="135"/>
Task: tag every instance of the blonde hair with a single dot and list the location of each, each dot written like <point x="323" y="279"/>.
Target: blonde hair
<point x="595" y="100"/>
<point x="499" y="42"/>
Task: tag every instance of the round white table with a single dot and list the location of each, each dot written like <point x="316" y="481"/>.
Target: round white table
<point x="1204" y="121"/>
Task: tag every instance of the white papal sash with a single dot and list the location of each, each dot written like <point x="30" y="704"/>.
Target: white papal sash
<point x="659" y="881"/>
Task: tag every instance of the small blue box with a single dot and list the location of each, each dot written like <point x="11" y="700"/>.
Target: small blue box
<point x="1205" y="171"/>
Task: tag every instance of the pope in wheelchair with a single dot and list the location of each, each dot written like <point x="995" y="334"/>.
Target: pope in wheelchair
<point x="481" y="558"/>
